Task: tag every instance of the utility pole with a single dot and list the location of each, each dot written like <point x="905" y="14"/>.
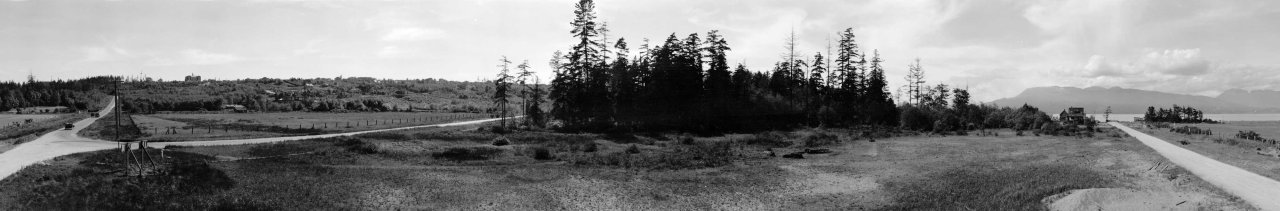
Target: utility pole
<point x="116" y="108"/>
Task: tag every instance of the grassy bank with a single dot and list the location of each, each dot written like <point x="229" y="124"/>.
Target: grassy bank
<point x="95" y="181"/>
<point x="105" y="128"/>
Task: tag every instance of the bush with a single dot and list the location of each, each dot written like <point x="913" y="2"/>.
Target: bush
<point x="460" y="154"/>
<point x="820" y="139"/>
<point x="699" y="155"/>
<point x="1227" y="141"/>
<point x="385" y="136"/>
<point x="542" y="153"/>
<point x="770" y="139"/>
<point x="591" y="147"/>
<point x="501" y="141"/>
<point x="687" y="140"/>
<point x="633" y="149"/>
<point x="356" y="145"/>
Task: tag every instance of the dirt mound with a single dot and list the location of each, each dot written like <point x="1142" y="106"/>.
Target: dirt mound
<point x="1125" y="199"/>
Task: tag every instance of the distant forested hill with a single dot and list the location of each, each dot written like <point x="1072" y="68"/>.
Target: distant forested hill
<point x="317" y="94"/>
<point x="1132" y="101"/>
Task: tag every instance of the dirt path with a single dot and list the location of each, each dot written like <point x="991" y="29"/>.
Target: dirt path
<point x="1262" y="192"/>
<point x="65" y="142"/>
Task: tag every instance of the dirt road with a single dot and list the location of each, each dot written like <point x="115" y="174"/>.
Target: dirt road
<point x="65" y="142"/>
<point x="1259" y="191"/>
<point x="53" y="144"/>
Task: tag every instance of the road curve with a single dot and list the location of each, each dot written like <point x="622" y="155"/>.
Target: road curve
<point x="1262" y="192"/>
<point x="53" y="144"/>
<point x="65" y="142"/>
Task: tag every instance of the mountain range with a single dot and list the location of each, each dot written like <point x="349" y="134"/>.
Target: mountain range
<point x="1135" y="101"/>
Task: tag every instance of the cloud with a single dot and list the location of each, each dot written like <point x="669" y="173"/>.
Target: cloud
<point x="1184" y="62"/>
<point x="413" y="34"/>
<point x="104" y="54"/>
<point x="193" y="57"/>
<point x="1183" y="71"/>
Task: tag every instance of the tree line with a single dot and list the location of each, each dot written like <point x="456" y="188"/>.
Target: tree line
<point x="1177" y="114"/>
<point x="80" y="94"/>
<point x="688" y="84"/>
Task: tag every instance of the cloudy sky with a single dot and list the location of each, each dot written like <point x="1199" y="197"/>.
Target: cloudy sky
<point x="995" y="47"/>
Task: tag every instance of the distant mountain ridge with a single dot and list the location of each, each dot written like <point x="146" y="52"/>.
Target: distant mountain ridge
<point x="1135" y="101"/>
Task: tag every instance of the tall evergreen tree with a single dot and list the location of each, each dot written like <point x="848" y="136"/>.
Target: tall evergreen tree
<point x="883" y="111"/>
<point x="718" y="77"/>
<point x="501" y="93"/>
<point x="915" y="82"/>
<point x="816" y="81"/>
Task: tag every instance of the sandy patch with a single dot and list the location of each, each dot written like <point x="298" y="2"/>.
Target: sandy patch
<point x="1126" y="199"/>
<point x="811" y="181"/>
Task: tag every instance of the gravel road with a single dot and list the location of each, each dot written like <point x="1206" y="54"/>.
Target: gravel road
<point x="1261" y="192"/>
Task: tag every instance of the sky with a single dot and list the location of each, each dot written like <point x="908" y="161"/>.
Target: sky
<point x="996" y="48"/>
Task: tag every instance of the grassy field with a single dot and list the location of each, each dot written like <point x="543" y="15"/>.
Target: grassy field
<point x="192" y="127"/>
<point x="1222" y="146"/>
<point x="12" y="136"/>
<point x="8" y="119"/>
<point x="463" y="169"/>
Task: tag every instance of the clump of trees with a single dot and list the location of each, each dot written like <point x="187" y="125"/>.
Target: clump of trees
<point x="81" y="94"/>
<point x="687" y="84"/>
<point x="316" y="95"/>
<point x="1176" y="115"/>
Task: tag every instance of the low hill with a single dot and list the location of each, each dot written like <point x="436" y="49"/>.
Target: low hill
<point x="1128" y="101"/>
<point x="1255" y="98"/>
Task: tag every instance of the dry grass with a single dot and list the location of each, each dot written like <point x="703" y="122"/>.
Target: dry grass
<point x="401" y="170"/>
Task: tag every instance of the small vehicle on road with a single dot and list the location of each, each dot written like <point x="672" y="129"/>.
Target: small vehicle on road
<point x="68" y="126"/>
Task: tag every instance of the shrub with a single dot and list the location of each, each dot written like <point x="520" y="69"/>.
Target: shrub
<point x="687" y="140"/>
<point x="1227" y="141"/>
<point x="699" y="155"/>
<point x="460" y="154"/>
<point x="770" y="139"/>
<point x="633" y="149"/>
<point x="356" y="145"/>
<point x="542" y="153"/>
<point x="385" y="136"/>
<point x="591" y="147"/>
<point x="501" y="141"/>
<point x="820" y="139"/>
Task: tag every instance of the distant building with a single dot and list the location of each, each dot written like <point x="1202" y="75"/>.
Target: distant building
<point x="1073" y="116"/>
<point x="236" y="108"/>
<point x="192" y="78"/>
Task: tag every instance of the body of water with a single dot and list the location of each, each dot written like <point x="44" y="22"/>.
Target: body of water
<point x="1218" y="117"/>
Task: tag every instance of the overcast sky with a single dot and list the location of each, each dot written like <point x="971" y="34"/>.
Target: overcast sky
<point x="997" y="47"/>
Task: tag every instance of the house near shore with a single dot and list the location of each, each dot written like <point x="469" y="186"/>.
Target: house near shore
<point x="235" y="108"/>
<point x="1073" y="116"/>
